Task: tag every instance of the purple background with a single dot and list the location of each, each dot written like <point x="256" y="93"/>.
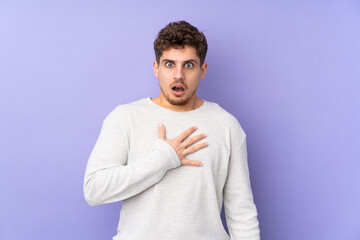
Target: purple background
<point x="288" y="70"/>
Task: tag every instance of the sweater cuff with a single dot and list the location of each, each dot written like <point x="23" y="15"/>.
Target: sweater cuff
<point x="171" y="153"/>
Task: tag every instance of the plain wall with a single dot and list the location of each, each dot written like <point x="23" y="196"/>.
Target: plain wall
<point x="288" y="70"/>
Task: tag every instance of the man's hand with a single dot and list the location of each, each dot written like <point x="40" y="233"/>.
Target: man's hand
<point x="181" y="147"/>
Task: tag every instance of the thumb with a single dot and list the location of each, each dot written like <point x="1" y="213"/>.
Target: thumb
<point x="161" y="131"/>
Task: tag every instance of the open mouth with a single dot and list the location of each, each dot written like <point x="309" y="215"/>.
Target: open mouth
<point x="178" y="89"/>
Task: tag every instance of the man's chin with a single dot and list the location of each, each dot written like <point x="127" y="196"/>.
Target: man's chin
<point x="178" y="101"/>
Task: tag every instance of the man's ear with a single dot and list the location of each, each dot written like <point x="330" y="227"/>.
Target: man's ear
<point x="203" y="70"/>
<point x="156" y="68"/>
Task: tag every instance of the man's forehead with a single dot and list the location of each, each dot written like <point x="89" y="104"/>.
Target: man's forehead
<point x="174" y="60"/>
<point x="180" y="54"/>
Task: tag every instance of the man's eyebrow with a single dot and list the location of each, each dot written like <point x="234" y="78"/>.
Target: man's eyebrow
<point x="169" y="60"/>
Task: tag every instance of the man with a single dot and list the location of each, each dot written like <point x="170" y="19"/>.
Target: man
<point x="171" y="182"/>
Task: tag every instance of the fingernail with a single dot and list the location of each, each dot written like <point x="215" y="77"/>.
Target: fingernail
<point x="160" y="124"/>
<point x="195" y="127"/>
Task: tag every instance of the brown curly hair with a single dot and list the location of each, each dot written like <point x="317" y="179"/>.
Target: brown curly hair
<point x="177" y="35"/>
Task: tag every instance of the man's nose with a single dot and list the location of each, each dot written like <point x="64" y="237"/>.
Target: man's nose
<point x="179" y="74"/>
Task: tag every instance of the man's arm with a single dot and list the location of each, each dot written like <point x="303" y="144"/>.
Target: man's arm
<point x="240" y="210"/>
<point x="108" y="179"/>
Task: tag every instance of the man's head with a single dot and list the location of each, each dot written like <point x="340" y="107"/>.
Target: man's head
<point x="177" y="35"/>
<point x="180" y="51"/>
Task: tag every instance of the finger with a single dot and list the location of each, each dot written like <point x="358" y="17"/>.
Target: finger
<point x="195" y="148"/>
<point x="193" y="140"/>
<point x="162" y="131"/>
<point x="191" y="162"/>
<point x="186" y="133"/>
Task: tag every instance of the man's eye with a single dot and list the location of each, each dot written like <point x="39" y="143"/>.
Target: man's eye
<point x="169" y="64"/>
<point x="188" y="65"/>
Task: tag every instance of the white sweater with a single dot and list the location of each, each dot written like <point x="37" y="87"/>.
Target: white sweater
<point x="162" y="199"/>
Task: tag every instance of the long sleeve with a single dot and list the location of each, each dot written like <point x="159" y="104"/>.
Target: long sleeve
<point x="240" y="209"/>
<point x="110" y="178"/>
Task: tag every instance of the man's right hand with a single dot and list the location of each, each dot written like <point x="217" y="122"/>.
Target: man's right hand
<point x="181" y="147"/>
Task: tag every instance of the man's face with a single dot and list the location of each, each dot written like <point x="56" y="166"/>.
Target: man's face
<point x="179" y="67"/>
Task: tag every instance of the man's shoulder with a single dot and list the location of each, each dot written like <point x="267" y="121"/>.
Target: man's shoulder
<point x="125" y="109"/>
<point x="229" y="122"/>
<point x="221" y="114"/>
